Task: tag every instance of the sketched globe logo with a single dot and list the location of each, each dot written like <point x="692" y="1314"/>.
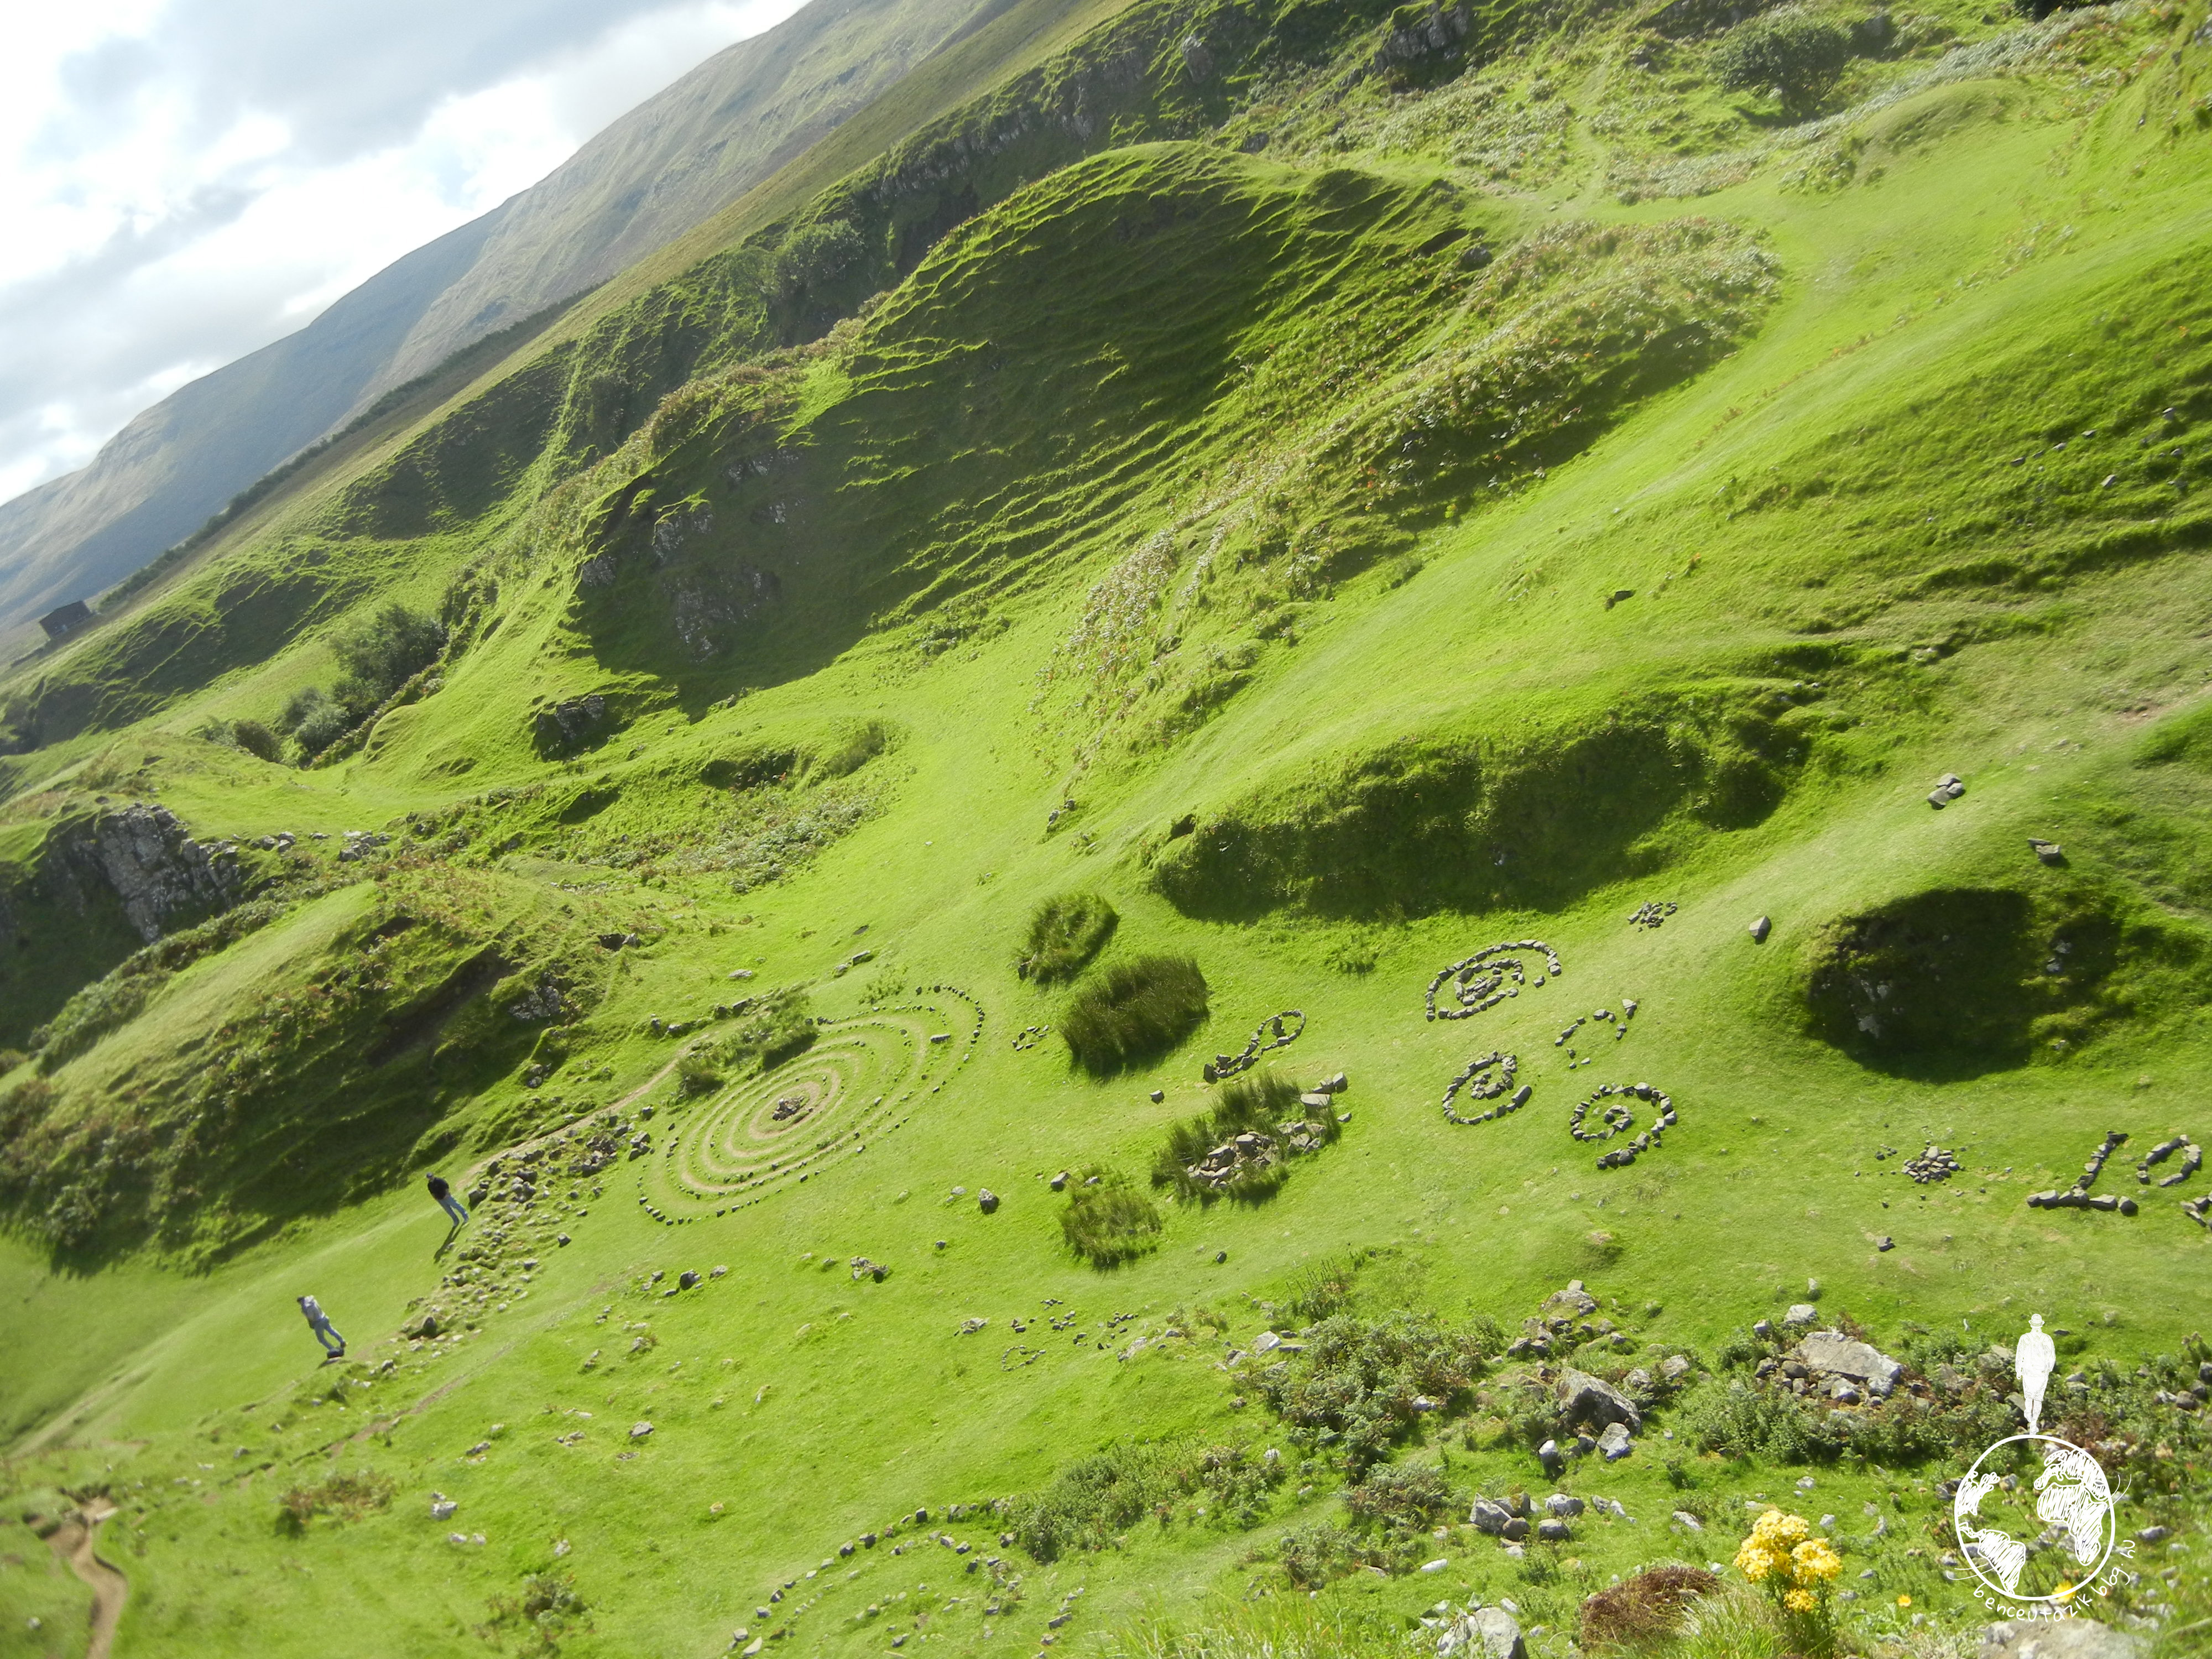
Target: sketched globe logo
<point x="2038" y="1539"/>
<point x="2033" y="1517"/>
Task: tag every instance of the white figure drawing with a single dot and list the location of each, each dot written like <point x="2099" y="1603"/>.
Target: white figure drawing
<point x="2032" y="1362"/>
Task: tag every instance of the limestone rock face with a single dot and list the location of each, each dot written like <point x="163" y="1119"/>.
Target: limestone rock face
<point x="165" y="879"/>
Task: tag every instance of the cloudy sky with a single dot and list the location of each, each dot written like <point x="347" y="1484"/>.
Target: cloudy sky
<point x="183" y="182"/>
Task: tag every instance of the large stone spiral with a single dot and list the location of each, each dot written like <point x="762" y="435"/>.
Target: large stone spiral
<point x="859" y="1079"/>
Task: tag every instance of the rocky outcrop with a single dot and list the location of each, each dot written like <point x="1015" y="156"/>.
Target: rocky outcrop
<point x="164" y="877"/>
<point x="1586" y="1399"/>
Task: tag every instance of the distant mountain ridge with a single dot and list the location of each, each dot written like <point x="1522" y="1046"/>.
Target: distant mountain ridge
<point x="659" y="171"/>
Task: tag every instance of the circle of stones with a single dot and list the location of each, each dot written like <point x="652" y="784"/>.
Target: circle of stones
<point x="861" y="1078"/>
<point x="1267" y="1036"/>
<point x="1618" y="1118"/>
<point x="1479" y="1086"/>
<point x="1479" y="981"/>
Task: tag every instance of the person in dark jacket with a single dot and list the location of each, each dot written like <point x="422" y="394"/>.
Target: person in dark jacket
<point x="447" y="1202"/>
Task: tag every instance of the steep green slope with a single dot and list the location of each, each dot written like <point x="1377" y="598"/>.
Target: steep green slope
<point x="1416" y="562"/>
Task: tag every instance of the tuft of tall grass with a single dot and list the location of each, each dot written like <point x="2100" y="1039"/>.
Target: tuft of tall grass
<point x="1262" y="1104"/>
<point x="1133" y="1012"/>
<point x="1064" y="934"/>
<point x="1108" y="1221"/>
<point x="1644" y="1612"/>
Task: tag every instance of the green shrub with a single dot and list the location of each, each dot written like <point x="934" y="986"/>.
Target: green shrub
<point x="1267" y="1104"/>
<point x="1352" y="1390"/>
<point x="1093" y="1500"/>
<point x="548" y="1609"/>
<point x="771" y="1029"/>
<point x="1065" y="933"/>
<point x="1108" y="1222"/>
<point x="817" y="255"/>
<point x="1134" y="1012"/>
<point x="343" y="1496"/>
<point x="375" y="659"/>
<point x="697" y="1074"/>
<point x="1314" y="1555"/>
<point x="1401" y="1499"/>
<point x="257" y="740"/>
<point x="1794" y="51"/>
<point x="1324" y="1288"/>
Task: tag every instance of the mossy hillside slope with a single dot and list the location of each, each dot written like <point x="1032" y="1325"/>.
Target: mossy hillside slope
<point x="812" y="1405"/>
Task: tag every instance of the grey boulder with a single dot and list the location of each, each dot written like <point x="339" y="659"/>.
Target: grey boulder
<point x="1482" y="1633"/>
<point x="1563" y="1505"/>
<point x="1840" y="1356"/>
<point x="1488" y="1517"/>
<point x="1614" y="1442"/>
<point x="1586" y="1399"/>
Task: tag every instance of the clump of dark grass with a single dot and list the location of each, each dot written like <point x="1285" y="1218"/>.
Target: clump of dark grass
<point x="1065" y="933"/>
<point x="547" y="1608"/>
<point x="771" y="1029"/>
<point x="1324" y="1288"/>
<point x="1267" y="1105"/>
<point x="344" y="1497"/>
<point x="1108" y="1221"/>
<point x="1088" y="1504"/>
<point x="1133" y="1012"/>
<point x="1641" y="1612"/>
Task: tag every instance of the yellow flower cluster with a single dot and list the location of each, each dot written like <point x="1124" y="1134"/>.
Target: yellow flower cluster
<point x="1800" y="1566"/>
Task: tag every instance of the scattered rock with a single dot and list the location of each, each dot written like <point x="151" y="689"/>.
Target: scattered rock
<point x="1614" y="1442"/>
<point x="1673" y="1367"/>
<point x="986" y="1200"/>
<point x="2048" y="851"/>
<point x="1158" y="1095"/>
<point x="1552" y="1458"/>
<point x="1949" y="788"/>
<point x="1553" y="1531"/>
<point x="1760" y="929"/>
<point x="719" y="1272"/>
<point x="1687" y="1520"/>
<point x="1572" y="1302"/>
<point x="1487" y="1516"/>
<point x="1801" y="1313"/>
<point x="639" y="1430"/>
<point x="442" y="1507"/>
<point x="686" y="1279"/>
<point x="1884" y="1242"/>
<point x="1059" y="1182"/>
<point x="2057" y="1639"/>
<point x="1564" y="1506"/>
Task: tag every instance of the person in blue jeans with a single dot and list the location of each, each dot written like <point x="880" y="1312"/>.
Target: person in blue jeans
<point x="447" y="1202"/>
<point x="326" y="1333"/>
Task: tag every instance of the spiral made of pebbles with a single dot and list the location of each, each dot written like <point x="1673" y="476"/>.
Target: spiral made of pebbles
<point x="1618" y="1117"/>
<point x="1270" y="1034"/>
<point x="1479" y="981"/>
<point x="860" y="1079"/>
<point x="1486" y="1078"/>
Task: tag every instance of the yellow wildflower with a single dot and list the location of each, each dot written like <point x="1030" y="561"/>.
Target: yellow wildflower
<point x="1816" y="1561"/>
<point x="1800" y="1600"/>
<point x="1904" y="1601"/>
<point x="1755" y="1561"/>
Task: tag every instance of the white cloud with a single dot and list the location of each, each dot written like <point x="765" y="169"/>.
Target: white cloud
<point x="186" y="180"/>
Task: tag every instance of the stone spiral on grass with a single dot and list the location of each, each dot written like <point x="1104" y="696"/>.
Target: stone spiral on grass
<point x="860" y="1078"/>
<point x="1479" y="981"/>
<point x="1618" y="1116"/>
<point x="1478" y="1083"/>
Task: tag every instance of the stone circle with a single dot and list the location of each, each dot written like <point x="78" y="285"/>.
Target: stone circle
<point x="1479" y="981"/>
<point x="1478" y="1083"/>
<point x="1618" y="1117"/>
<point x="1267" y="1036"/>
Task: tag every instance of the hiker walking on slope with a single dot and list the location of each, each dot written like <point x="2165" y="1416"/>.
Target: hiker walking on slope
<point x="319" y="1323"/>
<point x="447" y="1202"/>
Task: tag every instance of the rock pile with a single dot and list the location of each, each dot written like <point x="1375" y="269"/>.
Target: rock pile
<point x="1479" y="981"/>
<point x="1949" y="788"/>
<point x="1268" y="1036"/>
<point x="1618" y="1118"/>
<point x="1248" y="1154"/>
<point x="2048" y="851"/>
<point x="1933" y="1164"/>
<point x="1652" y="913"/>
<point x="1603" y="1016"/>
<point x="1479" y="1086"/>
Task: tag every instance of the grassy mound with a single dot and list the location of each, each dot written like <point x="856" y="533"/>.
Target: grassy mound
<point x="1064" y="934"/>
<point x="1479" y="818"/>
<point x="1954" y="982"/>
<point x="1266" y="1107"/>
<point x="1108" y="1221"/>
<point x="1134" y="1012"/>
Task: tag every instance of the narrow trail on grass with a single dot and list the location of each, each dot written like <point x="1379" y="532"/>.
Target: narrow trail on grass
<point x="560" y="1129"/>
<point x="72" y="1542"/>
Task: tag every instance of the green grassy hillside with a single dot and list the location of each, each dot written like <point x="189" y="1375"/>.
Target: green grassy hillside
<point x="1463" y="548"/>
